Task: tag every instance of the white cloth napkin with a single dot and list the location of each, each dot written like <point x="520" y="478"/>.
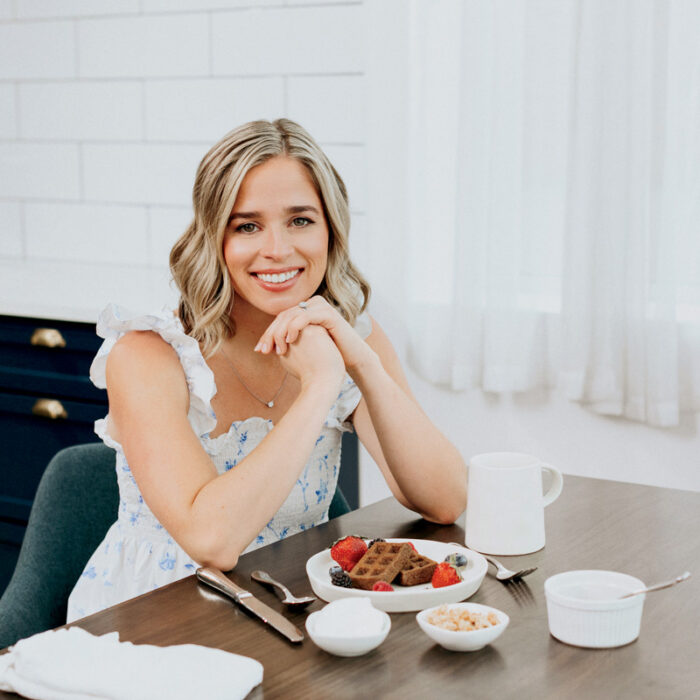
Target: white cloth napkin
<point x="72" y="664"/>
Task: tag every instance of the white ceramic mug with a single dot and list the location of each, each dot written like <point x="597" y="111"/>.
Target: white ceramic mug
<point x="505" y="505"/>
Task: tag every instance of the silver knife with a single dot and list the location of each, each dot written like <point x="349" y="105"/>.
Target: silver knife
<point x="222" y="583"/>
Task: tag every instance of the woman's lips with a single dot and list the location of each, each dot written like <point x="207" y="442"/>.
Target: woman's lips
<point x="278" y="286"/>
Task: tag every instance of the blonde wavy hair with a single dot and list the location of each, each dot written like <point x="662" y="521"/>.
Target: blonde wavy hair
<point x="196" y="260"/>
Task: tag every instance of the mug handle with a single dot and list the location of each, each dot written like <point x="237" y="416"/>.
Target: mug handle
<point x="557" y="483"/>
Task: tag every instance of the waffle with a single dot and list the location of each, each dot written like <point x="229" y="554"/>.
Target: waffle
<point x="381" y="562"/>
<point x="418" y="569"/>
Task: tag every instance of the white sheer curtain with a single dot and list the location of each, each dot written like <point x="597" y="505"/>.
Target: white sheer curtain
<point x="534" y="172"/>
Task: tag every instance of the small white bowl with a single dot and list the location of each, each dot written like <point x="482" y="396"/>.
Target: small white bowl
<point x="585" y="609"/>
<point x="347" y="646"/>
<point x="464" y="641"/>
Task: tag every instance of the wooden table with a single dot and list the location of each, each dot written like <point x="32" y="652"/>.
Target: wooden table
<point x="649" y="532"/>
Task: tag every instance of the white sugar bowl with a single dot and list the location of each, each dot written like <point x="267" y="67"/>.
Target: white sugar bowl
<point x="348" y="627"/>
<point x="585" y="608"/>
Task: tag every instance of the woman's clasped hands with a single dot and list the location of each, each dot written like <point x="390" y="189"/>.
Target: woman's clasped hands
<point x="290" y="327"/>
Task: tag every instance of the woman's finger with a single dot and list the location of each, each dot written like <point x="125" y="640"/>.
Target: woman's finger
<point x="288" y="324"/>
<point x="266" y="343"/>
<point x="296" y="325"/>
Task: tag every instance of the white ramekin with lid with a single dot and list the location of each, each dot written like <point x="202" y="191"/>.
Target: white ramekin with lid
<point x="585" y="608"/>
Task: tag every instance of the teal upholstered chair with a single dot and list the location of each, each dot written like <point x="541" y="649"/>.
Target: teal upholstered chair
<point x="75" y="504"/>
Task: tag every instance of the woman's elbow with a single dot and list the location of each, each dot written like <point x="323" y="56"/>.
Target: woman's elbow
<point x="443" y="516"/>
<point x="215" y="552"/>
<point x="448" y="513"/>
<point x="222" y="563"/>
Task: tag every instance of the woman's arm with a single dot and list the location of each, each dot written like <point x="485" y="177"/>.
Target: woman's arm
<point x="425" y="472"/>
<point x="423" y="469"/>
<point x="213" y="517"/>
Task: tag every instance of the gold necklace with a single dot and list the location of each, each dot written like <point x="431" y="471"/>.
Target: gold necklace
<point x="271" y="402"/>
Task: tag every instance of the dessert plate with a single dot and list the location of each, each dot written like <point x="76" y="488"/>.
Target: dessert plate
<point x="403" y="598"/>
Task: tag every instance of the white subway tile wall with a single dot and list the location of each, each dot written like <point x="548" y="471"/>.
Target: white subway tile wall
<point x="5" y="9"/>
<point x="31" y="171"/>
<point x="11" y="239"/>
<point x="322" y="105"/>
<point x="143" y="47"/>
<point x="8" y="111"/>
<point x="86" y="232"/>
<point x="270" y="41"/>
<point x="146" y="173"/>
<point x="184" y="5"/>
<point x="107" y="107"/>
<point x="32" y="9"/>
<point x="37" y="50"/>
<point x="166" y="225"/>
<point x="81" y="111"/>
<point x="204" y="109"/>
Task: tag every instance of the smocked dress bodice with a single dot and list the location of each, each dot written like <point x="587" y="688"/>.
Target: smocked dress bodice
<point x="138" y="554"/>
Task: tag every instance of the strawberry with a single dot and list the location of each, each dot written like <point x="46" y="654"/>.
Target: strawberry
<point x="382" y="586"/>
<point x="412" y="546"/>
<point x="445" y="575"/>
<point x="348" y="551"/>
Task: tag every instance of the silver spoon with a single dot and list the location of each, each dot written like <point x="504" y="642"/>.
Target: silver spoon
<point x="659" y="586"/>
<point x="291" y="600"/>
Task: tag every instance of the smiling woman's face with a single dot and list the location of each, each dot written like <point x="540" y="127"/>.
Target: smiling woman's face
<point x="276" y="242"/>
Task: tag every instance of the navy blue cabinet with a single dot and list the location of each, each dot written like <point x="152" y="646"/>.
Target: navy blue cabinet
<point x="47" y="402"/>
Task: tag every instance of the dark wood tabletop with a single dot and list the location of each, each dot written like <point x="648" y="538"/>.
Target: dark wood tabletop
<point x="649" y="532"/>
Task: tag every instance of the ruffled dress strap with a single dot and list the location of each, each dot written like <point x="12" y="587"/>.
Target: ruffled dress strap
<point x="350" y="395"/>
<point x="116" y="321"/>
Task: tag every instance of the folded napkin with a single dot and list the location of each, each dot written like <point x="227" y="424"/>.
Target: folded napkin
<point x="72" y="664"/>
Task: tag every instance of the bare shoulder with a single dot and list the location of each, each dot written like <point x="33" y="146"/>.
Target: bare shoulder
<point x="143" y="357"/>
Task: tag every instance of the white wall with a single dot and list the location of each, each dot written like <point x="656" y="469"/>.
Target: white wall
<point x="107" y="106"/>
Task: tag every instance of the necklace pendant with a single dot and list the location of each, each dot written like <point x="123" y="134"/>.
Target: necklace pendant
<point x="270" y="404"/>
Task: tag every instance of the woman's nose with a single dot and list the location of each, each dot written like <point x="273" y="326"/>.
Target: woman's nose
<point x="276" y="243"/>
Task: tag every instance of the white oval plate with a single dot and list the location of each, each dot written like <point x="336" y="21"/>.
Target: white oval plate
<point x="403" y="598"/>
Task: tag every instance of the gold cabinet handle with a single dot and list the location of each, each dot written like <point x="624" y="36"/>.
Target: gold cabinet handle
<point x="49" y="408"/>
<point x="48" y="338"/>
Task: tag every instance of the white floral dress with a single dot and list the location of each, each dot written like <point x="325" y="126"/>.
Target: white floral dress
<point x="137" y="554"/>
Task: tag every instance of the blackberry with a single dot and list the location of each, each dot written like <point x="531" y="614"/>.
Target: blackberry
<point x="339" y="577"/>
<point x="376" y="539"/>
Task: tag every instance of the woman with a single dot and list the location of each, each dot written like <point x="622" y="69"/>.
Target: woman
<point x="227" y="418"/>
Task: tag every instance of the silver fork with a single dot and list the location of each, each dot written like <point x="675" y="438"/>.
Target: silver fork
<point x="505" y="575"/>
<point x="502" y="573"/>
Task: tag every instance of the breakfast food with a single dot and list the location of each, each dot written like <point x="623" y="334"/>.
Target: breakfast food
<point x="418" y="569"/>
<point x="382" y="562"/>
<point x="382" y="586"/>
<point x="457" y="559"/>
<point x="377" y="565"/>
<point x="445" y="575"/>
<point x="339" y="577"/>
<point x="460" y="619"/>
<point x="348" y="551"/>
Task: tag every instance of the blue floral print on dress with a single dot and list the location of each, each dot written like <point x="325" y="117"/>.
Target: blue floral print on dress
<point x="139" y="553"/>
<point x="167" y="563"/>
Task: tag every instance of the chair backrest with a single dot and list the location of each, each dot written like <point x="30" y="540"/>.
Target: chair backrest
<point x="75" y="504"/>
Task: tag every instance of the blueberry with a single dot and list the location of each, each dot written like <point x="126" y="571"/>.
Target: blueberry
<point x="456" y="559"/>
